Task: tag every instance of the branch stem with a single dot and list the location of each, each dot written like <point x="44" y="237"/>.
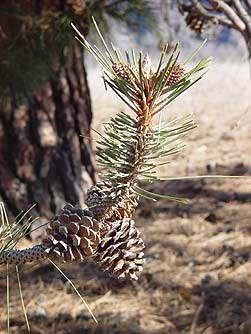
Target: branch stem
<point x="22" y="256"/>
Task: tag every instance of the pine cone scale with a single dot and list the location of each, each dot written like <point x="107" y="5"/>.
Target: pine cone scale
<point x="84" y="231"/>
<point x="64" y="219"/>
<point x="73" y="227"/>
<point x="75" y="239"/>
<point x="62" y="230"/>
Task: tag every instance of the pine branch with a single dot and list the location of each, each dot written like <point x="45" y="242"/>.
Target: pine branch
<point x="131" y="149"/>
<point x="243" y="13"/>
<point x="129" y="145"/>
<point x="201" y="8"/>
<point x="223" y="7"/>
<point x="232" y="14"/>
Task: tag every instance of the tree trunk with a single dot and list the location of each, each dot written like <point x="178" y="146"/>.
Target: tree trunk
<point x="46" y="155"/>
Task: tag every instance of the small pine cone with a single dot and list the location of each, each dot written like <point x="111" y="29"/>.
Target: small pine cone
<point x="124" y="71"/>
<point x="72" y="235"/>
<point x="98" y="192"/>
<point x="195" y="22"/>
<point x="108" y="208"/>
<point x="121" y="250"/>
<point x="197" y="25"/>
<point x="176" y="75"/>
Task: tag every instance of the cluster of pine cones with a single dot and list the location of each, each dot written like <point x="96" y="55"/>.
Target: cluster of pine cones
<point x="129" y="73"/>
<point x="112" y="241"/>
<point x="196" y="22"/>
<point x="194" y="19"/>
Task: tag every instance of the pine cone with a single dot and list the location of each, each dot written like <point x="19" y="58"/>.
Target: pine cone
<point x="78" y="6"/>
<point x="98" y="192"/>
<point x="124" y="71"/>
<point x="121" y="250"/>
<point x="106" y="206"/>
<point x="195" y="22"/>
<point x="72" y="235"/>
<point x="176" y="75"/>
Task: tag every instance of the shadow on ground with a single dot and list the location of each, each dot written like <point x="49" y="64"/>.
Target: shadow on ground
<point x="196" y="278"/>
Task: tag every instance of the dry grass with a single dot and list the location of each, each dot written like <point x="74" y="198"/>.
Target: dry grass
<point x="197" y="273"/>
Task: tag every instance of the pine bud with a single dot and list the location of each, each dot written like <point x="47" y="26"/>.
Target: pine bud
<point x="147" y="66"/>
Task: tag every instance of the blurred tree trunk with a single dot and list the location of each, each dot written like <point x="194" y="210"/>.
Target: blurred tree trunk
<point x="46" y="155"/>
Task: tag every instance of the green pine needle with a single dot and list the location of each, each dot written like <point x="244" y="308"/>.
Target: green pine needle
<point x="12" y="233"/>
<point x="153" y="195"/>
<point x="22" y="300"/>
<point x="16" y="230"/>
<point x="119" y="143"/>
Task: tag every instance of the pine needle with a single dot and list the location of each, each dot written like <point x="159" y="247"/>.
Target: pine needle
<point x="22" y="300"/>
<point x="194" y="53"/>
<point x="8" y="298"/>
<point x="168" y="197"/>
<point x="13" y="232"/>
<point x="75" y="289"/>
<point x="196" y="177"/>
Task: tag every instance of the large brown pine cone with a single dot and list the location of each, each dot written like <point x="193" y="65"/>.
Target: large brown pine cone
<point x="73" y="234"/>
<point x="108" y="205"/>
<point x="121" y="250"/>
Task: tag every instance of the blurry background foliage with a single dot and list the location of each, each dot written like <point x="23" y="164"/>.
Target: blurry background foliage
<point x="35" y="36"/>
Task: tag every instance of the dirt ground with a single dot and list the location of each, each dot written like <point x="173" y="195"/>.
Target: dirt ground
<point x="197" y="276"/>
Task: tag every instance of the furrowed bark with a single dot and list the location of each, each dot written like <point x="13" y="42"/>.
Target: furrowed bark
<point x="46" y="155"/>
